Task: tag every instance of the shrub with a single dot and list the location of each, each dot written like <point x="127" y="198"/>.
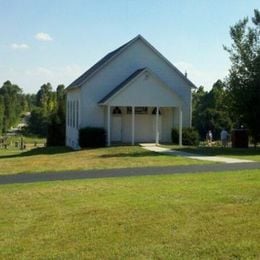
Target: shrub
<point x="189" y="136"/>
<point x="92" y="137"/>
<point x="175" y="136"/>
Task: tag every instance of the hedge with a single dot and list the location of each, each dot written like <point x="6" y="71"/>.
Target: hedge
<point x="189" y="136"/>
<point x="92" y="137"/>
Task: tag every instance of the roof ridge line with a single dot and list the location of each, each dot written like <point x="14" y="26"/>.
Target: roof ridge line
<point x="101" y="63"/>
<point x="167" y="61"/>
<point x="111" y="55"/>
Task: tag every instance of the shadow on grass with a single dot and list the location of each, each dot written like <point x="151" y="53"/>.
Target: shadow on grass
<point x="215" y="151"/>
<point x="39" y="151"/>
<point x="134" y="154"/>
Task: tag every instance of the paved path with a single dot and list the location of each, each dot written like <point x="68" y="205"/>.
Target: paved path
<point x="90" y="174"/>
<point x="158" y="149"/>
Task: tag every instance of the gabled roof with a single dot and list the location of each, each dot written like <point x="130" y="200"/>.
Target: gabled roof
<point x="122" y="85"/>
<point x="81" y="79"/>
<point x="127" y="82"/>
<point x="84" y="77"/>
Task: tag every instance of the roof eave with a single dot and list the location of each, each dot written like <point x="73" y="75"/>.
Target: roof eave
<point x="109" y="60"/>
<point x="106" y="101"/>
<point x="71" y="88"/>
<point x="192" y="85"/>
<point x="120" y="51"/>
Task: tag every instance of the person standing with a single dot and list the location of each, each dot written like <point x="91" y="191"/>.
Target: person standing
<point x="224" y="137"/>
<point x="209" y="138"/>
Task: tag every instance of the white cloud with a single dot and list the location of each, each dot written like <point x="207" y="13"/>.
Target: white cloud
<point x="17" y="46"/>
<point x="41" y="36"/>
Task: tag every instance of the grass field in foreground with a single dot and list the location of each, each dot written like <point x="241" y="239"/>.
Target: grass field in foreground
<point x="52" y="159"/>
<point x="202" y="216"/>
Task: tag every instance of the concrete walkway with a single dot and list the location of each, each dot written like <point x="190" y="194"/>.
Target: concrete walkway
<point x="158" y="149"/>
<point x="109" y="173"/>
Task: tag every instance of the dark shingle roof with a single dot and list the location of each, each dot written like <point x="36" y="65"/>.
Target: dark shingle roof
<point x="121" y="85"/>
<point x="80" y="80"/>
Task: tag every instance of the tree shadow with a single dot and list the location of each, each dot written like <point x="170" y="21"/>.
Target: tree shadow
<point x="39" y="151"/>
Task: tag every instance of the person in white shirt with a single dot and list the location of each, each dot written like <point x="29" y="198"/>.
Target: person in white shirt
<point x="209" y="138"/>
<point x="224" y="137"/>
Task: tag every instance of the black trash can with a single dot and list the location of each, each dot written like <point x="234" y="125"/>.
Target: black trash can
<point x="239" y="138"/>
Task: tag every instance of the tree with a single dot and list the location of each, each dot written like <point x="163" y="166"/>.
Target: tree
<point x="12" y="99"/>
<point x="210" y="110"/>
<point x="56" y="125"/>
<point x="46" y="98"/>
<point x="56" y="130"/>
<point x="38" y="122"/>
<point x="2" y="111"/>
<point x="48" y="116"/>
<point x="61" y="100"/>
<point x="244" y="75"/>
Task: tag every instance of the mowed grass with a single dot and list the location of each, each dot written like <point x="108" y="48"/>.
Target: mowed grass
<point x="202" y="216"/>
<point x="239" y="153"/>
<point x="64" y="159"/>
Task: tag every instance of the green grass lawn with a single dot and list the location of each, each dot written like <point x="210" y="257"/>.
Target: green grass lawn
<point x="240" y="153"/>
<point x="63" y="159"/>
<point x="202" y="216"/>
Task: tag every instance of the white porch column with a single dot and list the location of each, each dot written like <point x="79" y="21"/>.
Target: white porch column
<point x="157" y="126"/>
<point x="108" y="126"/>
<point x="180" y="126"/>
<point x="133" y="125"/>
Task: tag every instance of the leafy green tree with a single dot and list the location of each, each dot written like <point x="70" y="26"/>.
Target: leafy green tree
<point x="46" y="98"/>
<point x="12" y="99"/>
<point x="56" y="130"/>
<point x="61" y="100"/>
<point x="48" y="116"/>
<point x="218" y="98"/>
<point x="2" y="111"/>
<point x="31" y="101"/>
<point x="211" y="110"/>
<point x="199" y="106"/>
<point x="38" y="122"/>
<point x="244" y="75"/>
<point x="56" y="126"/>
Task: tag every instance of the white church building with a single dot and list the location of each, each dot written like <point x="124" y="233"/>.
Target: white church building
<point x="134" y="92"/>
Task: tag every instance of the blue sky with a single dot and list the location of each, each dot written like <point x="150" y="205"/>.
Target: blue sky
<point x="55" y="41"/>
